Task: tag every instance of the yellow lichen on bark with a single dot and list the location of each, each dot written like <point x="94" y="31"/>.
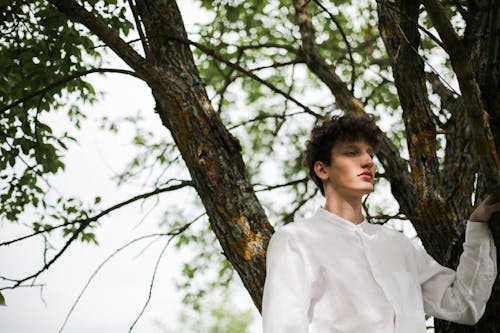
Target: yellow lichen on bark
<point x="199" y="150"/>
<point x="251" y="244"/>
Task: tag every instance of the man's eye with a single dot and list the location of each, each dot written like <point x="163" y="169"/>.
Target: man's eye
<point x="351" y="153"/>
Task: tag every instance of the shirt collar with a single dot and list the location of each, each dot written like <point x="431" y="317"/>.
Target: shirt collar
<point x="338" y="221"/>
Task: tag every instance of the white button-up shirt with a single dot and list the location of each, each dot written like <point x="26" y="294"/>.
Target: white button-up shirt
<point x="328" y="275"/>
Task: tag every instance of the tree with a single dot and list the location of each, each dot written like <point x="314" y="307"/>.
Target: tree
<point x="399" y="62"/>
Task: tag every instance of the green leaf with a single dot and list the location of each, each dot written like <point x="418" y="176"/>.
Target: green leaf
<point x="2" y="300"/>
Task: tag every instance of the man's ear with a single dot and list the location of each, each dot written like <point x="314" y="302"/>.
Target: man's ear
<point x="320" y="169"/>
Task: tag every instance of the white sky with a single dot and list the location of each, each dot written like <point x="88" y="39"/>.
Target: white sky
<point x="119" y="291"/>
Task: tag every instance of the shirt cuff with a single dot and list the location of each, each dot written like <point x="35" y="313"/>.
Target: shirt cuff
<point x="476" y="232"/>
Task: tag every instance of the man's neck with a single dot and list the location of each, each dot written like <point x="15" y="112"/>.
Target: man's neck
<point x="346" y="208"/>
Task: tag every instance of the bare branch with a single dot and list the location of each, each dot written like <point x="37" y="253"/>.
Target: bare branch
<point x="302" y="202"/>
<point x="278" y="64"/>
<point x="62" y="81"/>
<point x="172" y="233"/>
<point x="138" y="25"/>
<point x="94" y="218"/>
<point x="287" y="47"/>
<point x="344" y="37"/>
<point x="265" y="116"/>
<point x="396" y="10"/>
<point x="401" y="37"/>
<point x="220" y="58"/>
<point x="318" y="65"/>
<point x="458" y="158"/>
<point x="449" y="97"/>
<point x="273" y="187"/>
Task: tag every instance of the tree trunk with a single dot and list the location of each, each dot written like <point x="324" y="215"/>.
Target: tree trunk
<point x="482" y="43"/>
<point x="210" y="152"/>
<point x="443" y="200"/>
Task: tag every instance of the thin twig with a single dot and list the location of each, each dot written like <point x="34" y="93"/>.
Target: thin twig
<point x="63" y="81"/>
<point x="273" y="187"/>
<point x="299" y="205"/>
<point x="344" y="37"/>
<point x="183" y="183"/>
<point x="150" y="292"/>
<point x="220" y="58"/>
<point x="151" y="284"/>
<point x="137" y="20"/>
<point x="264" y="116"/>
<point x="99" y="268"/>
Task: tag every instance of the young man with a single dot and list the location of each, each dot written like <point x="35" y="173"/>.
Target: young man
<point x="336" y="273"/>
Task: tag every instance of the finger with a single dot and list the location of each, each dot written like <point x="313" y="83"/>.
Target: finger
<point x="494" y="207"/>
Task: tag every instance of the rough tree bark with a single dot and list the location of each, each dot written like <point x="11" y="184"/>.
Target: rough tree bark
<point x="210" y="152"/>
<point x="443" y="198"/>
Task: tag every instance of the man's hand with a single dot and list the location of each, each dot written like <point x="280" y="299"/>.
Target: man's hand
<point x="484" y="211"/>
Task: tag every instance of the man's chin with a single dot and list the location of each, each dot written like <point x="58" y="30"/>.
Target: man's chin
<point x="367" y="190"/>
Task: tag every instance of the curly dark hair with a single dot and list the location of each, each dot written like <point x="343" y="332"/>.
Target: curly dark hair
<point x="327" y="132"/>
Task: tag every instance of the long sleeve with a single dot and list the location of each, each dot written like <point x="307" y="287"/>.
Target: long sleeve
<point x="460" y="296"/>
<point x="287" y="288"/>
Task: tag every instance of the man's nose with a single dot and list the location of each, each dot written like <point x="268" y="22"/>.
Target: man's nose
<point x="367" y="160"/>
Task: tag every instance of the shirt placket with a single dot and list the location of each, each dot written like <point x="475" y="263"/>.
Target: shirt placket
<point x="376" y="272"/>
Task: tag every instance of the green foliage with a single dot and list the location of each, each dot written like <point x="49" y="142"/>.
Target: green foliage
<point x="41" y="48"/>
<point x="206" y="271"/>
<point x="66" y="216"/>
<point x="219" y="316"/>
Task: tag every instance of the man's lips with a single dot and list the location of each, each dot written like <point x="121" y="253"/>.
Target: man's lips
<point x="366" y="174"/>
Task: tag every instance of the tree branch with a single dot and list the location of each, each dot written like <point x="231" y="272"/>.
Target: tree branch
<point x="240" y="69"/>
<point x="458" y="158"/>
<point x="449" y="98"/>
<point x="396" y="168"/>
<point x="344" y="37"/>
<point x="273" y="187"/>
<point x="264" y="116"/>
<point x="290" y="216"/>
<point x="94" y="218"/>
<point x="318" y="65"/>
<point x="277" y="64"/>
<point x="171" y="233"/>
<point x="62" y="81"/>
<point x="79" y="14"/>
<point x="288" y="48"/>
<point x="83" y="224"/>
<point x="478" y="118"/>
<point x="137" y="20"/>
<point x="401" y="37"/>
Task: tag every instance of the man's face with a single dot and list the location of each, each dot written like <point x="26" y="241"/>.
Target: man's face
<point x="351" y="170"/>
